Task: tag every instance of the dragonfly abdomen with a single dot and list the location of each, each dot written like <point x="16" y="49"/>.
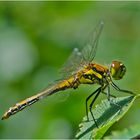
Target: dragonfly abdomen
<point x="20" y="106"/>
<point x="29" y="101"/>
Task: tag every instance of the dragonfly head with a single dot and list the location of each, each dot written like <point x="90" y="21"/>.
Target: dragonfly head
<point x="117" y="70"/>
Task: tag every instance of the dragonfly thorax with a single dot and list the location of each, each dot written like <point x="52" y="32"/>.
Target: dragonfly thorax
<point x="94" y="73"/>
<point x="117" y="70"/>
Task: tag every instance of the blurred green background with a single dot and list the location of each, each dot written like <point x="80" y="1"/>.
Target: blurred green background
<point x="36" y="39"/>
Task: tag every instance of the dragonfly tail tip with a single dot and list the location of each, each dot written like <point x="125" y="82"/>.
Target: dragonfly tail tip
<point x="5" y="116"/>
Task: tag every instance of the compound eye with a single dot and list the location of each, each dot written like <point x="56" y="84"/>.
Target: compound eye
<point x="117" y="70"/>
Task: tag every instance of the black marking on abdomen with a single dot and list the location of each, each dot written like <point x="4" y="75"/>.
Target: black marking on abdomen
<point x="30" y="102"/>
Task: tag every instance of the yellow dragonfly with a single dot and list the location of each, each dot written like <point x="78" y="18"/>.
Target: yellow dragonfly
<point x="80" y="69"/>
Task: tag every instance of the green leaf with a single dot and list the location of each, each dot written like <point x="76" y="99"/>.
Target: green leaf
<point x="106" y="115"/>
<point x="128" y="133"/>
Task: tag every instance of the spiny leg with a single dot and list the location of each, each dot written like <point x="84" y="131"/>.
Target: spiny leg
<point x="109" y="99"/>
<point x="108" y="93"/>
<point x="91" y="105"/>
<point x="121" y="90"/>
<point x="113" y="96"/>
<point x="87" y="99"/>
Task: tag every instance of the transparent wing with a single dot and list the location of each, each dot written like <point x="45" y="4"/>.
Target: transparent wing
<point x="89" y="51"/>
<point x="78" y="59"/>
<point x="73" y="63"/>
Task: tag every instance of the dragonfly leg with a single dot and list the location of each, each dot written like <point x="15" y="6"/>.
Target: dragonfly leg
<point x="121" y="90"/>
<point x="109" y="99"/>
<point x="108" y="93"/>
<point x="91" y="105"/>
<point x="87" y="99"/>
<point x="113" y="96"/>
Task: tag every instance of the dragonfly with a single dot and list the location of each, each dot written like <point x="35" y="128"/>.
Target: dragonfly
<point x="81" y="69"/>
